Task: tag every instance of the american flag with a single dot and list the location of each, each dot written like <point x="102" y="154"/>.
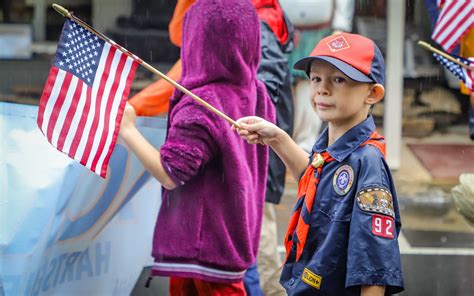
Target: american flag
<point x="466" y="75"/>
<point x="85" y="93"/>
<point x="455" y="19"/>
<point x="441" y="3"/>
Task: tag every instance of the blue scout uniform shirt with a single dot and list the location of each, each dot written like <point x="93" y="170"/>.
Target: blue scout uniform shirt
<point x="354" y="223"/>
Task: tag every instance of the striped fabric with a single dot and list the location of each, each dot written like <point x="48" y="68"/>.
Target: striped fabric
<point x="455" y="20"/>
<point x="298" y="228"/>
<point x="195" y="270"/>
<point x="85" y="93"/>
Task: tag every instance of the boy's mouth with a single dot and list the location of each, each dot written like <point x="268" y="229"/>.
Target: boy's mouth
<point x="324" y="105"/>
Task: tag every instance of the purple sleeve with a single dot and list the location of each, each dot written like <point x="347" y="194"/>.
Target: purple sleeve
<point x="189" y="144"/>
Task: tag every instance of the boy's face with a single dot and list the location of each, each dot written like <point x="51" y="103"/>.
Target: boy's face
<point x="336" y="98"/>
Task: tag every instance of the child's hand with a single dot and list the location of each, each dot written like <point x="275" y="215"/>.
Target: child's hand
<point x="128" y="119"/>
<point x="256" y="130"/>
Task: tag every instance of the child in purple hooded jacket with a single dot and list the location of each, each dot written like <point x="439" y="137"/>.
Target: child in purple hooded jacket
<point x="208" y="227"/>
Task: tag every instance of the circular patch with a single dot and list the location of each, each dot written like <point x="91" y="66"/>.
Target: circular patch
<point x="343" y="179"/>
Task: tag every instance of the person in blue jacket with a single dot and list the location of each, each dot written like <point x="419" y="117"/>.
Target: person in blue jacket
<point x="342" y="236"/>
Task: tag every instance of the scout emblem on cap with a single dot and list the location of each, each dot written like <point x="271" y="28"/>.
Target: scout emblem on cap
<point x="338" y="43"/>
<point x="343" y="179"/>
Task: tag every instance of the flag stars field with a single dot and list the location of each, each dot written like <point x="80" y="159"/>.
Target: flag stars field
<point x="81" y="52"/>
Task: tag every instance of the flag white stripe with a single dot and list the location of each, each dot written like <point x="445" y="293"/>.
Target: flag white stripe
<point x="458" y="33"/>
<point x="76" y="119"/>
<point x="114" y="112"/>
<point x="450" y="29"/>
<point x="468" y="82"/>
<point x="90" y="116"/>
<point x="53" y="97"/>
<point x="103" y="105"/>
<point x="445" y="16"/>
<point x="63" y="112"/>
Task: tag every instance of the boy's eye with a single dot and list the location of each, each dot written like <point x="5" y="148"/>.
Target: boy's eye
<point x="339" y="79"/>
<point x="315" y="79"/>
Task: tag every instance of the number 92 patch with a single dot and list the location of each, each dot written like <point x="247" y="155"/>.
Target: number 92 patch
<point x="383" y="226"/>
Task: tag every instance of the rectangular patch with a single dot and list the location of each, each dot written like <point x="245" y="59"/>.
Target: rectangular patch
<point x="383" y="226"/>
<point x="311" y="278"/>
<point x="376" y="200"/>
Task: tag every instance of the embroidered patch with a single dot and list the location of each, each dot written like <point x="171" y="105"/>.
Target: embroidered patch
<point x="338" y="43"/>
<point x="383" y="226"/>
<point x="343" y="179"/>
<point x="311" y="278"/>
<point x="376" y="200"/>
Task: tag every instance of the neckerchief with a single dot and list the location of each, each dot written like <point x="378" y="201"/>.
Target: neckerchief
<point x="307" y="188"/>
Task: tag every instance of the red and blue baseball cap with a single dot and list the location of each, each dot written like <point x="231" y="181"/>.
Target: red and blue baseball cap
<point x="358" y="57"/>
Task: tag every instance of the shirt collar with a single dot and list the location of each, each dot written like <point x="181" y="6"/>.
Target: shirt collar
<point x="348" y="142"/>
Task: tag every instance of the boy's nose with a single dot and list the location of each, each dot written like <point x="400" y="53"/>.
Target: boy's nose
<point x="323" y="90"/>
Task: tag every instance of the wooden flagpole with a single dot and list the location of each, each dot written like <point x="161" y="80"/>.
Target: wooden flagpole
<point x="71" y="16"/>
<point x="443" y="54"/>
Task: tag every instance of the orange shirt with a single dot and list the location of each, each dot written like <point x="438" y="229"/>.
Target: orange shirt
<point x="176" y="24"/>
<point x="467" y="50"/>
<point x="154" y="99"/>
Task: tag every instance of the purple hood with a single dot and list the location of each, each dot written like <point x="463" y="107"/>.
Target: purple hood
<point x="209" y="226"/>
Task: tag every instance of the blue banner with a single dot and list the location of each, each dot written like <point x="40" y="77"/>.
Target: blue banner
<point x="63" y="229"/>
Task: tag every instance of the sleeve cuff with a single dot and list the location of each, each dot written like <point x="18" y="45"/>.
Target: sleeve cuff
<point x="392" y="279"/>
<point x="170" y="173"/>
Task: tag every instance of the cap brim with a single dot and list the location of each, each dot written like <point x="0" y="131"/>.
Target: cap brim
<point x="351" y="72"/>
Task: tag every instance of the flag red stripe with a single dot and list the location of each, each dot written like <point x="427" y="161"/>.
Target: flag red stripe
<point x="70" y="115"/>
<point x="80" y="128"/>
<point x="453" y="18"/>
<point x="96" y="115"/>
<point x="110" y="100"/>
<point x="451" y="45"/>
<point x="118" y="120"/>
<point x="46" y="93"/>
<point x="58" y="105"/>
<point x="448" y="32"/>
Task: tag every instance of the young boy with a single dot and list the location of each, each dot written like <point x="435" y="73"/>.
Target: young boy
<point x="208" y="227"/>
<point x="342" y="236"/>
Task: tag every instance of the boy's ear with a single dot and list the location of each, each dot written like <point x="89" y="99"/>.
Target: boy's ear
<point x="376" y="93"/>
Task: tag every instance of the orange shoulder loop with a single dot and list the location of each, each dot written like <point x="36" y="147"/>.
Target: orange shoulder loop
<point x="175" y="27"/>
<point x="376" y="140"/>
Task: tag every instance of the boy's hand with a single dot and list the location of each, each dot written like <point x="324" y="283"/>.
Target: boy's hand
<point x="256" y="130"/>
<point x="128" y="119"/>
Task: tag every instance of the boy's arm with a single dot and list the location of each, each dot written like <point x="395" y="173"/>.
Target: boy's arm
<point x="295" y="158"/>
<point x="148" y="155"/>
<point x="259" y="131"/>
<point x="372" y="290"/>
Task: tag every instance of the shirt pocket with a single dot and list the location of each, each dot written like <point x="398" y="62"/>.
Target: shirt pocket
<point x="329" y="254"/>
<point x="335" y="208"/>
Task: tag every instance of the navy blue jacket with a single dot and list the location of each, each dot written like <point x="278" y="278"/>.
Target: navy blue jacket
<point x="273" y="71"/>
<point x="354" y="223"/>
